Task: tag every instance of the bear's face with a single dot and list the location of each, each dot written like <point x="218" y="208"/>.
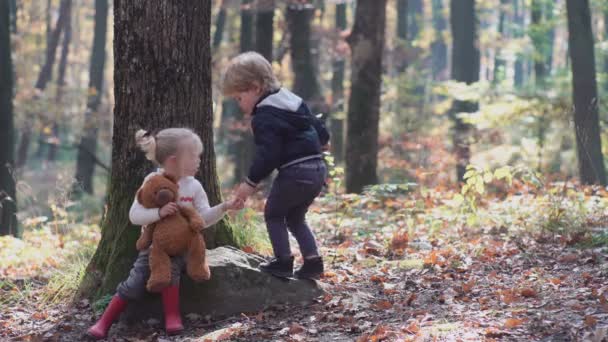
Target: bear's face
<point x="157" y="191"/>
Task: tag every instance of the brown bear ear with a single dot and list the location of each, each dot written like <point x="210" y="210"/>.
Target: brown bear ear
<point x="171" y="178"/>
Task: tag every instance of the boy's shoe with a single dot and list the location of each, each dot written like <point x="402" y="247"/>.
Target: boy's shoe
<point x="173" y="318"/>
<point x="279" y="267"/>
<point x="311" y="269"/>
<point x="100" y="329"/>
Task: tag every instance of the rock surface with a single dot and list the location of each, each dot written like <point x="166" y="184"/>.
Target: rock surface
<point x="236" y="286"/>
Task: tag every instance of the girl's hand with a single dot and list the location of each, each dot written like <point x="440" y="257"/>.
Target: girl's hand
<point x="168" y="209"/>
<point x="234" y="204"/>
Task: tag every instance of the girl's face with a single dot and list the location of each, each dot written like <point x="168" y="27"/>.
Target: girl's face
<point x="247" y="99"/>
<point x="185" y="163"/>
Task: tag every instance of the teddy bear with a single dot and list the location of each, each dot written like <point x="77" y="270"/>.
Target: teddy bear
<point x="173" y="235"/>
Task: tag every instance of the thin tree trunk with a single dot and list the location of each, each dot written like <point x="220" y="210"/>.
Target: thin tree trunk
<point x="158" y="83"/>
<point x="402" y="18"/>
<point x="8" y="222"/>
<point x="518" y="9"/>
<point x="306" y="83"/>
<point x="438" y="47"/>
<point x="538" y="37"/>
<point x="85" y="160"/>
<point x="13" y="18"/>
<point x="584" y="88"/>
<point x="65" y="50"/>
<point x="414" y="21"/>
<point x="47" y="69"/>
<point x="606" y="51"/>
<point x="265" y="28"/>
<point x="499" y="61"/>
<point x="242" y="148"/>
<point x="337" y="88"/>
<point x="465" y="68"/>
<point x="367" y="44"/>
<point x="220" y="23"/>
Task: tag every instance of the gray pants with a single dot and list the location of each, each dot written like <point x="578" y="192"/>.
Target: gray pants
<point x="134" y="287"/>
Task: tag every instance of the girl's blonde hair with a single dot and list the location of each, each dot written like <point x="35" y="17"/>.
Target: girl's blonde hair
<point x="247" y="70"/>
<point x="167" y="142"/>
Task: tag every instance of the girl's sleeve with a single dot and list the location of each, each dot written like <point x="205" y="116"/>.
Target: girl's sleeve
<point x="211" y="215"/>
<point x="140" y="216"/>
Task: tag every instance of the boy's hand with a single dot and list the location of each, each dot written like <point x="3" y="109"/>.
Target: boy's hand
<point x="244" y="190"/>
<point x="168" y="209"/>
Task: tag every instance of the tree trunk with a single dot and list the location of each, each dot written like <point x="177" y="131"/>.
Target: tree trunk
<point x="538" y="37"/>
<point x="265" y="28"/>
<point x="584" y="89"/>
<point x="7" y="143"/>
<point x="606" y="52"/>
<point x="305" y="83"/>
<point x="162" y="79"/>
<point x="367" y="44"/>
<point x="465" y="68"/>
<point x="220" y="23"/>
<point x="47" y="69"/>
<point x="499" y="61"/>
<point x="414" y="21"/>
<point x="65" y="50"/>
<point x="402" y="17"/>
<point x="438" y="47"/>
<point x="242" y="148"/>
<point x="518" y="10"/>
<point x="337" y="89"/>
<point x="85" y="160"/>
<point x="13" y="10"/>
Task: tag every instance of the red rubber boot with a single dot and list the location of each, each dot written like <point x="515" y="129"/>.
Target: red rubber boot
<point x="100" y="329"/>
<point x="173" y="318"/>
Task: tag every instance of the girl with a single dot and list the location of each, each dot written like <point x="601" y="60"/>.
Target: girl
<point x="178" y="151"/>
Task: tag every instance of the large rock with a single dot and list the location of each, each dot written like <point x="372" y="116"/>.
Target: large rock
<point x="236" y="286"/>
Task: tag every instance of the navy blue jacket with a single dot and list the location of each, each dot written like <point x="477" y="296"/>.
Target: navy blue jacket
<point x="285" y="132"/>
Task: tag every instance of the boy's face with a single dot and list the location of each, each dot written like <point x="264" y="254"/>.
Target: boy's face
<point x="247" y="99"/>
<point x="189" y="160"/>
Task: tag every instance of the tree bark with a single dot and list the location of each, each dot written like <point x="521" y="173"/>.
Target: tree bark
<point x="499" y="61"/>
<point x="465" y="68"/>
<point x="85" y="160"/>
<point x="606" y="52"/>
<point x="220" y="23"/>
<point x="265" y="28"/>
<point x="518" y="9"/>
<point x="584" y="89"/>
<point x="306" y="83"/>
<point x="414" y="21"/>
<point x="65" y="50"/>
<point x="242" y="148"/>
<point x="367" y="44"/>
<point x="538" y="37"/>
<point x="162" y="79"/>
<point x="13" y="18"/>
<point x="402" y="18"/>
<point x="7" y="143"/>
<point x="439" y="48"/>
<point x="337" y="89"/>
<point x="47" y="69"/>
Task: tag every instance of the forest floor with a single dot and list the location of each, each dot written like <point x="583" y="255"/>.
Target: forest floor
<point x="401" y="265"/>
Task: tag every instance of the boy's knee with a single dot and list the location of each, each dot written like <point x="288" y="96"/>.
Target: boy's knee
<point x="132" y="289"/>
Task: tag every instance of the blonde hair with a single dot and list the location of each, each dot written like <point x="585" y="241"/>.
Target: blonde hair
<point x="247" y="70"/>
<point x="167" y="142"/>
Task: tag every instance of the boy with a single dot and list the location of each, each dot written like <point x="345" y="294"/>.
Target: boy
<point x="288" y="138"/>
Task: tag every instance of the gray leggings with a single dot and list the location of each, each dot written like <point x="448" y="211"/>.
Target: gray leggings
<point x="134" y="287"/>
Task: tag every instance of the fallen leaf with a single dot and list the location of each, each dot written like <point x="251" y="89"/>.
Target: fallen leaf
<point x="590" y="321"/>
<point x="384" y="305"/>
<point x="412" y="328"/>
<point x="511" y="323"/>
<point x="528" y="292"/>
<point x="295" y="328"/>
<point x="555" y="281"/>
<point x="568" y="258"/>
<point x="248" y="249"/>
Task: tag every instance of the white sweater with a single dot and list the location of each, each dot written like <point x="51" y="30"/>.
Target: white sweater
<point x="191" y="193"/>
